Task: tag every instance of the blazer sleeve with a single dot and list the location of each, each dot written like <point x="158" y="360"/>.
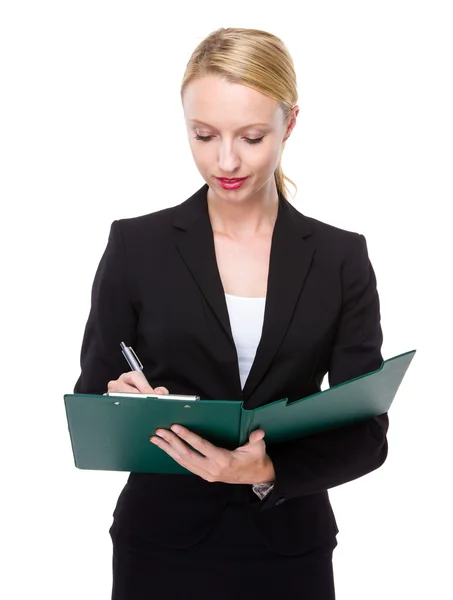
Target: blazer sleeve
<point x="111" y="320"/>
<point x="318" y="462"/>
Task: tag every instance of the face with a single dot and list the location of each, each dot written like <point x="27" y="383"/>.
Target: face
<point x="235" y="132"/>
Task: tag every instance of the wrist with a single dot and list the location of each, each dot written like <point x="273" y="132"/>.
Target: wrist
<point x="267" y="474"/>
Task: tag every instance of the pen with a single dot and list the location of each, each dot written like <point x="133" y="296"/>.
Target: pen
<point x="131" y="357"/>
<point x="135" y="364"/>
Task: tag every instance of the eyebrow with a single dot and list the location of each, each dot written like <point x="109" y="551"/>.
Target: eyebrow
<point x="239" y="128"/>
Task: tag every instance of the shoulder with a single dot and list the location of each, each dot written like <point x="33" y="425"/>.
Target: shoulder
<point x="327" y="237"/>
<point x="335" y="238"/>
<point x="160" y="224"/>
<point x="151" y="224"/>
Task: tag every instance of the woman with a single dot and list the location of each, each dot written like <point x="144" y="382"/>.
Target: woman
<point x="234" y="294"/>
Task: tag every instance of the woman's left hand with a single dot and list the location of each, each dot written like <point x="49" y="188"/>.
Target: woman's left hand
<point x="246" y="464"/>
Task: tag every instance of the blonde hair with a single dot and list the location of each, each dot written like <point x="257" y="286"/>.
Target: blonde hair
<point x="253" y="58"/>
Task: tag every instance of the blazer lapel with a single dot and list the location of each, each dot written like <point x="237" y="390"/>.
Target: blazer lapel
<point x="291" y="257"/>
<point x="195" y="242"/>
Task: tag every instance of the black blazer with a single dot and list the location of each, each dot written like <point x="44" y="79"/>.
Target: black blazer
<point x="158" y="289"/>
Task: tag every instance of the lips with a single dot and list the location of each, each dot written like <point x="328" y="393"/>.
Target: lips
<point x="231" y="184"/>
<point x="231" y="180"/>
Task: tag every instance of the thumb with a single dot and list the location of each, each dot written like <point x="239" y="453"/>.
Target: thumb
<point x="256" y="436"/>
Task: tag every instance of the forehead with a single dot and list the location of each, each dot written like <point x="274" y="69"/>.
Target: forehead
<point x="217" y="101"/>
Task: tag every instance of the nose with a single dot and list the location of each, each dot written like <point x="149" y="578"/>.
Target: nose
<point x="229" y="160"/>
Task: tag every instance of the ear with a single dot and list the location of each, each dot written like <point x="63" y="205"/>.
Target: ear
<point x="291" y="122"/>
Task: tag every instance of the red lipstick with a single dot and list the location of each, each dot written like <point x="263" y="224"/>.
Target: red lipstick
<point x="231" y="184"/>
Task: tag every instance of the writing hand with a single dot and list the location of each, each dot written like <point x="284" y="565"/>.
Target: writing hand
<point x="134" y="382"/>
<point x="246" y="464"/>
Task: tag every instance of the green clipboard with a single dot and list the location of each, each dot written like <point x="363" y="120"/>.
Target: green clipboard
<point x="112" y="432"/>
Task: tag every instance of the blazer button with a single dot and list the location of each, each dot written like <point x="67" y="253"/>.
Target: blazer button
<point x="280" y="501"/>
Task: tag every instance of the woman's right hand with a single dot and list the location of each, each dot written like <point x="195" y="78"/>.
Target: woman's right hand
<point x="134" y="382"/>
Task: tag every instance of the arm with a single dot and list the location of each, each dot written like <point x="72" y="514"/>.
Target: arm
<point x="318" y="462"/>
<point x="111" y="320"/>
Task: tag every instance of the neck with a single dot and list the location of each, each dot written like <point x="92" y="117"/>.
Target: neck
<point x="255" y="215"/>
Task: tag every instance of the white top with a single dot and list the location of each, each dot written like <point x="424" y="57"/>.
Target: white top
<point x="246" y="319"/>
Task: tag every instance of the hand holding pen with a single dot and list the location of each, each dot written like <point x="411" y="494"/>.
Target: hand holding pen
<point x="133" y="381"/>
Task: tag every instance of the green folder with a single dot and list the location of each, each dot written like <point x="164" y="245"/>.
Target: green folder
<point x="113" y="433"/>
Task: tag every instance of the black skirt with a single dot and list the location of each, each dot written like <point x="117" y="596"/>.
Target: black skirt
<point x="224" y="565"/>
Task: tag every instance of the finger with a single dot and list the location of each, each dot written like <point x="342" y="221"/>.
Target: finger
<point x="256" y="440"/>
<point x="256" y="436"/>
<point x="177" y="443"/>
<point x="119" y="386"/>
<point x="179" y="451"/>
<point x="138" y="380"/>
<point x="161" y="390"/>
<point x="196" y="441"/>
<point x="187" y="459"/>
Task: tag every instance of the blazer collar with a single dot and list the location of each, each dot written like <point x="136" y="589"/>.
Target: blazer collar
<point x="291" y="256"/>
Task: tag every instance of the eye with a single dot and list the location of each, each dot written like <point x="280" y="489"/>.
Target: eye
<point x="254" y="140"/>
<point x="203" y="138"/>
<point x="206" y="138"/>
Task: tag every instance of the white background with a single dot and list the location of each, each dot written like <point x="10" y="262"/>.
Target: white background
<point x="92" y="130"/>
